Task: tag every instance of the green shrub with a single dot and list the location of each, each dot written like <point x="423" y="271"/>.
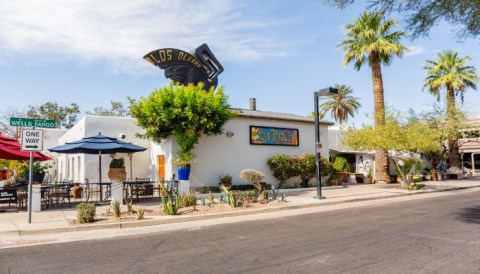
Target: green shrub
<point x="306" y="167"/>
<point x="340" y="164"/>
<point x="207" y="189"/>
<point x="86" y="213"/>
<point x="283" y="167"/>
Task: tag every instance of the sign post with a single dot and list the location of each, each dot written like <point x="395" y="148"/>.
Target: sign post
<point x="32" y="140"/>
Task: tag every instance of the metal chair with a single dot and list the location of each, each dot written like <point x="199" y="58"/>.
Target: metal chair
<point x="143" y="187"/>
<point x="91" y="191"/>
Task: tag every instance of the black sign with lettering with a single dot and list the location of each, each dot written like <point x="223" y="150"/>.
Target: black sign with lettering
<point x="8" y="196"/>
<point x="187" y="68"/>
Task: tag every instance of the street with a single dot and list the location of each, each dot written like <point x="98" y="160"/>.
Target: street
<point x="432" y="235"/>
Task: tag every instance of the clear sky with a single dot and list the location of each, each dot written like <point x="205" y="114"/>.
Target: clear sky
<point x="278" y="51"/>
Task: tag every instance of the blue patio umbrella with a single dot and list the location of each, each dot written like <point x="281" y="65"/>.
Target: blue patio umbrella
<point x="98" y="144"/>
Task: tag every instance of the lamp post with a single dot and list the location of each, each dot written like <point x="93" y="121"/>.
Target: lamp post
<point x="318" y="145"/>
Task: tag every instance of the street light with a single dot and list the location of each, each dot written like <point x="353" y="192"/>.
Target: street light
<point x="318" y="145"/>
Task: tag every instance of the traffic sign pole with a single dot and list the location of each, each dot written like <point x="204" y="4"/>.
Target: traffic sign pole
<point x="30" y="181"/>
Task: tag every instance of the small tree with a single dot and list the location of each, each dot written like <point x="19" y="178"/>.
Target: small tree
<point x="253" y="177"/>
<point x="186" y="112"/>
<point x="424" y="134"/>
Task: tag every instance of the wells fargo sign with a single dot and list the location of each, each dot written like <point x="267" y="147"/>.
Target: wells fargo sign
<point x="273" y="136"/>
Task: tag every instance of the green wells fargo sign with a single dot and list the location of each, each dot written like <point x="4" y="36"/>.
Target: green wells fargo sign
<point x="28" y="122"/>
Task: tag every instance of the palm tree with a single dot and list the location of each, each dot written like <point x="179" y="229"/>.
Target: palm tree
<point x="451" y="72"/>
<point x="369" y="40"/>
<point x="341" y="105"/>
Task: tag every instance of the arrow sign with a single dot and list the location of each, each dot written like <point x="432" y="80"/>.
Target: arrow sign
<point x="32" y="140"/>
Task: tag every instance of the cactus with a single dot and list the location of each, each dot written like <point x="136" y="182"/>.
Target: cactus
<point x="230" y="197"/>
<point x="170" y="205"/>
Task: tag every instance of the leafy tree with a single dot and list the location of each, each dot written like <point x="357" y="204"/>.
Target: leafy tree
<point x="450" y="72"/>
<point x="5" y="128"/>
<point x="423" y="133"/>
<point x="64" y="116"/>
<point x="117" y="110"/>
<point x="370" y="40"/>
<point x="422" y="15"/>
<point x="341" y="105"/>
<point x="186" y="112"/>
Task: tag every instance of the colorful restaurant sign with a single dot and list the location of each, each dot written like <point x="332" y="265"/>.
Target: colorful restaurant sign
<point x="273" y="136"/>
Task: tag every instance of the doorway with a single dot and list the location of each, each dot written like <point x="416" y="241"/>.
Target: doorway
<point x="161" y="167"/>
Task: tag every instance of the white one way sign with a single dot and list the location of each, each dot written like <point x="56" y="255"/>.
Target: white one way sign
<point x="32" y="140"/>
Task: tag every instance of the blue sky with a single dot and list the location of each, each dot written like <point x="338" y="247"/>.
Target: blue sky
<point x="90" y="52"/>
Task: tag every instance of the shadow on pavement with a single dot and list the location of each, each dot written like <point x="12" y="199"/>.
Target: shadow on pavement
<point x="470" y="214"/>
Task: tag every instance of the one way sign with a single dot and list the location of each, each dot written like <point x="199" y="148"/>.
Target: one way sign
<point x="32" y="140"/>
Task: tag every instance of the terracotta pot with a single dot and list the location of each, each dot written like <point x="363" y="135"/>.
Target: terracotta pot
<point x="76" y="191"/>
<point x="117" y="174"/>
<point x="343" y="175"/>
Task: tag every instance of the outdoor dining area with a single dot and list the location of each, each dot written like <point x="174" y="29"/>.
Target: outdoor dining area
<point x="49" y="194"/>
<point x="67" y="193"/>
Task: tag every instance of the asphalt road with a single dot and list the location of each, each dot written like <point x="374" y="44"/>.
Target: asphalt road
<point x="435" y="235"/>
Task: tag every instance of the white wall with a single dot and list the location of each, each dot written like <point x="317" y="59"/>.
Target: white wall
<point x="221" y="154"/>
<point x="89" y="164"/>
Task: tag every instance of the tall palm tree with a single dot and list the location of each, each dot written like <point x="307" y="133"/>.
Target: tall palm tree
<point x="341" y="105"/>
<point x="370" y="40"/>
<point x="450" y="72"/>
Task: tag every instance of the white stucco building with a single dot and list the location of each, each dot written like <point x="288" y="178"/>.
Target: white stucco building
<point x="230" y="152"/>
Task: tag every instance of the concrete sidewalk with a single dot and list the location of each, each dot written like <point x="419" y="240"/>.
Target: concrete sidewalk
<point x="53" y="221"/>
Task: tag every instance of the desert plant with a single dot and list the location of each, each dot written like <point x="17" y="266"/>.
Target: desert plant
<point x="211" y="198"/>
<point x="116" y="208"/>
<point x="230" y="197"/>
<point x="129" y="204"/>
<point x="251" y="176"/>
<point x="140" y="212"/>
<point x="107" y="211"/>
<point x="86" y="213"/>
<point x="170" y="205"/>
<point x="187" y="200"/>
<point x="225" y="178"/>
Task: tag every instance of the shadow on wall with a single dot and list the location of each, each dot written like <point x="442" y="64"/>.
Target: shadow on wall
<point x="470" y="214"/>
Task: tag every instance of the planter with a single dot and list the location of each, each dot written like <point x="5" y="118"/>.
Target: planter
<point x="183" y="172"/>
<point x="343" y="176"/>
<point x="117" y="174"/>
<point x="359" y="178"/>
<point x="76" y="191"/>
<point x="368" y="180"/>
<point x="36" y="177"/>
<point x="334" y="182"/>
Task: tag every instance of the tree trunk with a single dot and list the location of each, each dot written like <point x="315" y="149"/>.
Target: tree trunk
<point x="382" y="170"/>
<point x="453" y="153"/>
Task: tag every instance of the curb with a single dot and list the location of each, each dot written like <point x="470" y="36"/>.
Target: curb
<point x="180" y="219"/>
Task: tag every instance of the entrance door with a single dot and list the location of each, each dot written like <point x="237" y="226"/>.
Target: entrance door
<point x="161" y="167"/>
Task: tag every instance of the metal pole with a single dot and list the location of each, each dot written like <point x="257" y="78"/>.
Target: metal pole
<point x="317" y="154"/>
<point x="30" y="179"/>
